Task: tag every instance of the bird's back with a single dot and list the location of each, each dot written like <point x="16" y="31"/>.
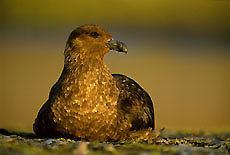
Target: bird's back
<point x="134" y="103"/>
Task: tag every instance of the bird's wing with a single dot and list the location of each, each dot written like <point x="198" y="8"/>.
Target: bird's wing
<point x="134" y="103"/>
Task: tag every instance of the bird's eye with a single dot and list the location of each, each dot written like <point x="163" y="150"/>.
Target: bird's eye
<point x="94" y="34"/>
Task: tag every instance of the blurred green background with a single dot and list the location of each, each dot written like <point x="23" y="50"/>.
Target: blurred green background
<point x="179" y="51"/>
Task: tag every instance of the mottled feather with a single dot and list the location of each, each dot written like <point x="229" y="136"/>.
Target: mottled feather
<point x="88" y="102"/>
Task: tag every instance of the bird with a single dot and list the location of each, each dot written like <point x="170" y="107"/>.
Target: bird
<point x="90" y="103"/>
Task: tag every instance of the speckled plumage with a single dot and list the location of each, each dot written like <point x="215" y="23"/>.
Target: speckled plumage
<point x="88" y="102"/>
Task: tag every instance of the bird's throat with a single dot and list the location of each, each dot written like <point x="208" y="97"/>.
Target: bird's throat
<point x="88" y="83"/>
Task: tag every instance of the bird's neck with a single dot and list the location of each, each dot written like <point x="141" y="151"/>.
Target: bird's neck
<point x="90" y="78"/>
<point x="79" y="65"/>
<point x="73" y="58"/>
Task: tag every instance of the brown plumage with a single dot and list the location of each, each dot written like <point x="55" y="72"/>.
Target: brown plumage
<point x="88" y="102"/>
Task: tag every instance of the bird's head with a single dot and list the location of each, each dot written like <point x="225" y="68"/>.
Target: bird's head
<point x="92" y="41"/>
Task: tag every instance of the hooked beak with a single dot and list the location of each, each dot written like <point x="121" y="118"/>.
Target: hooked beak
<point x="117" y="46"/>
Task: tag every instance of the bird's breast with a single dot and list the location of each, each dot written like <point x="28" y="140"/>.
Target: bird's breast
<point x="88" y="98"/>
